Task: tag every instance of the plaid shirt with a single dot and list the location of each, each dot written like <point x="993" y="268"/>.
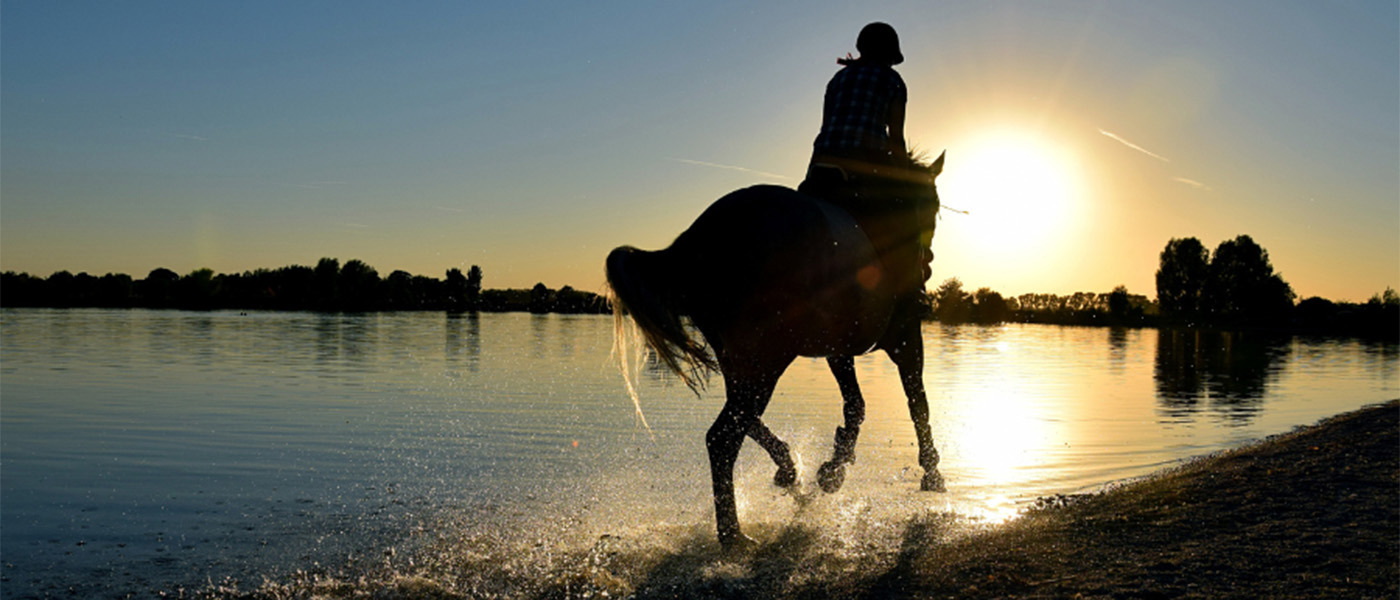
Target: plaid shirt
<point x="857" y="109"/>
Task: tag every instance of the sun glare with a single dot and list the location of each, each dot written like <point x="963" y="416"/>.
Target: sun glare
<point x="1019" y="191"/>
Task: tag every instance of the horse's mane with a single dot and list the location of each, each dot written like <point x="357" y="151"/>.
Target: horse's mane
<point x="921" y="159"/>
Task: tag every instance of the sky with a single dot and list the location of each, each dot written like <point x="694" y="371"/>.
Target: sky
<point x="531" y="138"/>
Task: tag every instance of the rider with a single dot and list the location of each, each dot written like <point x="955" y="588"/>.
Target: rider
<point x="863" y="112"/>
<point x="860" y="151"/>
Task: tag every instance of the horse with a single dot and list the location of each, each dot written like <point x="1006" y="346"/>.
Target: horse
<point x="767" y="274"/>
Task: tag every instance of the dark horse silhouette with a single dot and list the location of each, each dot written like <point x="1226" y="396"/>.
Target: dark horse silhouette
<point x="767" y="274"/>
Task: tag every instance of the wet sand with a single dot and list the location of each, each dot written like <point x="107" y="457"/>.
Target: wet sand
<point x="1310" y="514"/>
<point x="1314" y="513"/>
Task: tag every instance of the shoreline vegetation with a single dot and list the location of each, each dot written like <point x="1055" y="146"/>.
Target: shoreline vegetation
<point x="1234" y="287"/>
<point x="1193" y="291"/>
<point x="1312" y="513"/>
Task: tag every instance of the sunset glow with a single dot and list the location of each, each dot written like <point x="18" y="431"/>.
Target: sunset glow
<point x="1017" y="191"/>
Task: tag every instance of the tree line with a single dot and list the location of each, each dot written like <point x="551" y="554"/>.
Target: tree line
<point x="950" y="303"/>
<point x="329" y="286"/>
<point x="1233" y="287"/>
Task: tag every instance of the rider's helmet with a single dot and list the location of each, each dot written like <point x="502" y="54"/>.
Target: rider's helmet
<point x="878" y="41"/>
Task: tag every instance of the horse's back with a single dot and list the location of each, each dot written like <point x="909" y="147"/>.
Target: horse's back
<point x="768" y="261"/>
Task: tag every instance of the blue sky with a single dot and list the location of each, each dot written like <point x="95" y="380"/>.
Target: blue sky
<point x="530" y="139"/>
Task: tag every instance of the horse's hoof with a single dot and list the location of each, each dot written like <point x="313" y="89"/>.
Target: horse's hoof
<point x="786" y="477"/>
<point x="831" y="475"/>
<point x="933" y="482"/>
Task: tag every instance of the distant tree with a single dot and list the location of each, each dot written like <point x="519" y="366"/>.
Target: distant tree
<point x="22" y="289"/>
<point x="114" y="290"/>
<point x="571" y="301"/>
<point x="358" y="286"/>
<point x="85" y="290"/>
<point x="399" y="293"/>
<point x="1181" y="278"/>
<point x="60" y="289"/>
<point x="474" y="287"/>
<point x="430" y="289"/>
<point x="541" y="298"/>
<point x="1118" y="302"/>
<point x="950" y="303"/>
<point x="292" y="288"/>
<point x="325" y="284"/>
<point x="1381" y="315"/>
<point x="1316" y="313"/>
<point x="989" y="307"/>
<point x="1084" y="302"/>
<point x="1242" y="284"/>
<point x="197" y="290"/>
<point x="157" y="290"/>
<point x="1387" y="298"/>
<point x="458" y="290"/>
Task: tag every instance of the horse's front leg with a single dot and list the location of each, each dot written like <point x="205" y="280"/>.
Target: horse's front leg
<point x="778" y="451"/>
<point x="908" y="357"/>
<point x="833" y="472"/>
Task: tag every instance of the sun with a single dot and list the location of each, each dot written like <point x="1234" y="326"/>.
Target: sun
<point x="1019" y="190"/>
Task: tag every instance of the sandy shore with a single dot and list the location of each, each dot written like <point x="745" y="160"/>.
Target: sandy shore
<point x="1310" y="514"/>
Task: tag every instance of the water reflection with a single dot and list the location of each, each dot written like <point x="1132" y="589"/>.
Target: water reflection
<point x="539" y="324"/>
<point x="1218" y="371"/>
<point x="463" y="339"/>
<point x="567" y="330"/>
<point x="1117" y="348"/>
<point x="356" y="337"/>
<point x="345" y="338"/>
<point x="1384" y="357"/>
<point x="201" y="328"/>
<point x="327" y="337"/>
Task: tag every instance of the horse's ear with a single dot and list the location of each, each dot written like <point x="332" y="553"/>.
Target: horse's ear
<point x="937" y="167"/>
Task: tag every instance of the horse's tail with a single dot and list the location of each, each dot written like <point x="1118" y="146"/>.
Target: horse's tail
<point x="643" y="285"/>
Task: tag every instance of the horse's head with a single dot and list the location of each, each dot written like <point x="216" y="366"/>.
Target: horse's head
<point x="921" y="178"/>
<point x="925" y="193"/>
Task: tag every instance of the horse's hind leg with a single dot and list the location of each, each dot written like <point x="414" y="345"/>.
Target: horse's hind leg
<point x="908" y="357"/>
<point x="748" y="387"/>
<point x="833" y="472"/>
<point x="778" y="450"/>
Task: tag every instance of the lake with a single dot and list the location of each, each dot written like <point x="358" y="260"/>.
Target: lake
<point x="147" y="451"/>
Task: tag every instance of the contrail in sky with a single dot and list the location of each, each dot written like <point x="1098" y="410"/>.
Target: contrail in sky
<point x="316" y="185"/>
<point x="1191" y="182"/>
<point x="1135" y="146"/>
<point x="730" y="167"/>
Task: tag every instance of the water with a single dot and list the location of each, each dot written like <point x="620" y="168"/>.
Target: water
<point x="150" y="451"/>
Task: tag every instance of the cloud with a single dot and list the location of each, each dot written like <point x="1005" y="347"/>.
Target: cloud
<point x="702" y="163"/>
<point x="1193" y="183"/>
<point x="1129" y="144"/>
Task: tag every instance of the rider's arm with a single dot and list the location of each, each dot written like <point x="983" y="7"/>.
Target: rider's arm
<point x="896" y="127"/>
